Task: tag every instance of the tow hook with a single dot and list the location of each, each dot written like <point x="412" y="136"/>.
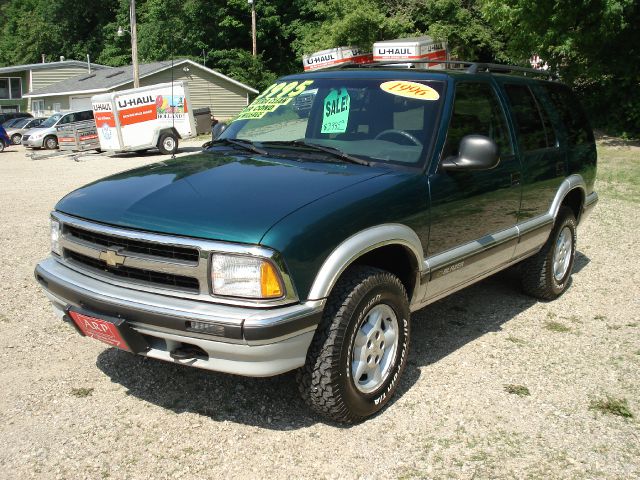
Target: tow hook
<point x="187" y="352"/>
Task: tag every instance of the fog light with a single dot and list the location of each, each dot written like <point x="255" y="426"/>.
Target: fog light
<point x="204" y="327"/>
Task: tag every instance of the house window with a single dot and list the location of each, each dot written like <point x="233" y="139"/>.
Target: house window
<point x="37" y="106"/>
<point x="10" y="88"/>
<point x="57" y="107"/>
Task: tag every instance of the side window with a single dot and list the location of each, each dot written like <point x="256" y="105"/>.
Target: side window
<point x="64" y="120"/>
<point x="86" y="115"/>
<point x="571" y="113"/>
<point x="477" y="111"/>
<point x="534" y="127"/>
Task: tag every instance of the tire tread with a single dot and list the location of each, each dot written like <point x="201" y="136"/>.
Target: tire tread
<point x="318" y="379"/>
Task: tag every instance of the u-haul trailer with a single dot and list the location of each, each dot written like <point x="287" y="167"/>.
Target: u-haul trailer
<point x="335" y="56"/>
<point x="417" y="48"/>
<point x="156" y="116"/>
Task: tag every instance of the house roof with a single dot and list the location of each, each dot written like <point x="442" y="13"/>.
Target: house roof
<point x="106" y="80"/>
<point x="49" y="65"/>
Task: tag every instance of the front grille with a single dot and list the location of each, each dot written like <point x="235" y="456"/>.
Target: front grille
<point x="136" y="274"/>
<point x="25" y="137"/>
<point x="134" y="246"/>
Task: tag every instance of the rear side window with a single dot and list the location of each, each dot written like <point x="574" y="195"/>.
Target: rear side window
<point x="571" y="113"/>
<point x="534" y="127"/>
<point x="86" y="115"/>
<point x="477" y="111"/>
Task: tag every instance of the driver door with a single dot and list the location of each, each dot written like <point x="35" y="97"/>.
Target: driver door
<point x="473" y="213"/>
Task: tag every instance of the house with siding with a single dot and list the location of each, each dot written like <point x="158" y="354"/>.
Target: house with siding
<point x="16" y="82"/>
<point x="225" y="96"/>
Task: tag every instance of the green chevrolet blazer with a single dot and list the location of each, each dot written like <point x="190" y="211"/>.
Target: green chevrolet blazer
<point x="303" y="237"/>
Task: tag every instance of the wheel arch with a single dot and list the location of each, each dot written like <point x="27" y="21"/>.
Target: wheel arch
<point x="393" y="247"/>
<point x="571" y="193"/>
<point x="171" y="130"/>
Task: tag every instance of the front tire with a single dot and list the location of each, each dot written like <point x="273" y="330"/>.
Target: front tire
<point x="360" y="348"/>
<point x="50" y="143"/>
<point x="16" y="138"/>
<point x="546" y="275"/>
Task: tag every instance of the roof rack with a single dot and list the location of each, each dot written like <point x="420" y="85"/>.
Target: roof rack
<point x="471" y="67"/>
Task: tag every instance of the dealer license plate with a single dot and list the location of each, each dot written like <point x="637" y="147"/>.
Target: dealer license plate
<point x="100" y="329"/>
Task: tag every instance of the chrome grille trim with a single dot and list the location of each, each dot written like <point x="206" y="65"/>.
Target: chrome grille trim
<point x="199" y="270"/>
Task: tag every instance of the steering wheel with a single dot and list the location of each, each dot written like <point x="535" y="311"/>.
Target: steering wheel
<point x="399" y="132"/>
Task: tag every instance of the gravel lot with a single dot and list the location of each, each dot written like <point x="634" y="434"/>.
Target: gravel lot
<point x="74" y="408"/>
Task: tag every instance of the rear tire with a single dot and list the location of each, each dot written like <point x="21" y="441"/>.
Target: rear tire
<point x="546" y="275"/>
<point x="350" y="372"/>
<point x="50" y="143"/>
<point x="1" y="146"/>
<point x="16" y="138"/>
<point x="168" y="143"/>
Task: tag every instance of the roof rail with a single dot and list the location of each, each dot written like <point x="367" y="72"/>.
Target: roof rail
<point x="471" y="67"/>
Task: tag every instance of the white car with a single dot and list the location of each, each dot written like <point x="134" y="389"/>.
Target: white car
<point x="46" y="134"/>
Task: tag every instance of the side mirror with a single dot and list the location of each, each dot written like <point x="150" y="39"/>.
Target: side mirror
<point x="476" y="152"/>
<point x="217" y="130"/>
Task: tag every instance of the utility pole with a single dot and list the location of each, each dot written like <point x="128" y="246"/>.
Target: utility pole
<point x="134" y="43"/>
<point x="253" y="26"/>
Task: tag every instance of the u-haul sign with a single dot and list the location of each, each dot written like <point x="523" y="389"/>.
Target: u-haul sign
<point x="419" y="48"/>
<point x="335" y="56"/>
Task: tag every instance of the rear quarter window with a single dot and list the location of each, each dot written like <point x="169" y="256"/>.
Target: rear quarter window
<point x="571" y="114"/>
<point x="533" y="125"/>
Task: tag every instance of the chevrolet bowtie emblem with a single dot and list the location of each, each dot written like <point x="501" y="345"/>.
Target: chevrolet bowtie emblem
<point x="112" y="258"/>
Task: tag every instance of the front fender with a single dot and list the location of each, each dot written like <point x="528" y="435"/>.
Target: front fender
<point x="356" y="246"/>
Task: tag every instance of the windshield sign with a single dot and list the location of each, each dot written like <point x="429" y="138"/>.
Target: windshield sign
<point x="378" y="120"/>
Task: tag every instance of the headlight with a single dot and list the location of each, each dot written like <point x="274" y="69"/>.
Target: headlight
<point x="244" y="276"/>
<point x="36" y="135"/>
<point x="55" y="237"/>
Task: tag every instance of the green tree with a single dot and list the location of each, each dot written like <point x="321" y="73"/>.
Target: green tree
<point x="592" y="44"/>
<point x="349" y="23"/>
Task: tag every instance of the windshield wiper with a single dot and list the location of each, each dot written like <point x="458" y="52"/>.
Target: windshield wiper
<point x="245" y="144"/>
<point x="320" y="148"/>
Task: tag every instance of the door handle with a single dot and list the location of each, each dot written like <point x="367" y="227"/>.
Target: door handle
<point x="515" y="179"/>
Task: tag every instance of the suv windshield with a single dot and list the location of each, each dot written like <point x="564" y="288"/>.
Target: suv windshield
<point x="51" y="121"/>
<point x="374" y="119"/>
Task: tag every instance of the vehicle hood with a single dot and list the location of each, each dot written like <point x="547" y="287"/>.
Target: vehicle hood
<point x="218" y="196"/>
<point x="39" y="130"/>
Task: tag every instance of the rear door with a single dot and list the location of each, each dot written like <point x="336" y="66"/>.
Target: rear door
<point x="544" y="163"/>
<point x="473" y="213"/>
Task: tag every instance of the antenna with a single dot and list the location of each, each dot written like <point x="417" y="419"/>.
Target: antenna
<point x="173" y="114"/>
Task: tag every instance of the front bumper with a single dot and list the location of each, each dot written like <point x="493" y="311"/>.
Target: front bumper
<point x="32" y="143"/>
<point x="245" y="341"/>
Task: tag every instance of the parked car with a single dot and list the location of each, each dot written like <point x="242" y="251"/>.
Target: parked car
<point x="305" y="243"/>
<point x="22" y="125"/>
<point x="5" y="116"/>
<point x="46" y="134"/>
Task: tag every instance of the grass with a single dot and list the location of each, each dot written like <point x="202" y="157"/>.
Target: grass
<point x="557" y="327"/>
<point x="81" y="392"/>
<point x="516" y="340"/>
<point x="519" y="390"/>
<point x="619" y="172"/>
<point x="612" y="406"/>
<point x="599" y="317"/>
